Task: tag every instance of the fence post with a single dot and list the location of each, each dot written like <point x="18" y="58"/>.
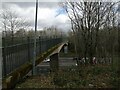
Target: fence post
<point x="47" y="43"/>
<point x="28" y="42"/>
<point x="39" y="44"/>
<point x="4" y="57"/>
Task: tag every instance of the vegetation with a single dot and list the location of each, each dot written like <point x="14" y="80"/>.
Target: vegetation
<point x="95" y="33"/>
<point x="98" y="76"/>
<point x="94" y="28"/>
<point x="86" y="76"/>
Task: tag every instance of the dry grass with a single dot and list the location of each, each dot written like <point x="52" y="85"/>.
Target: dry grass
<point x="99" y="76"/>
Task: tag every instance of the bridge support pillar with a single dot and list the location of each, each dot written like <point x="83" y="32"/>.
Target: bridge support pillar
<point x="66" y="49"/>
<point x="54" y="62"/>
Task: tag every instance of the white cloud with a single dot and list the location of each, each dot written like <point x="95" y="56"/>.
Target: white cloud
<point x="46" y="16"/>
<point x="62" y="18"/>
<point x="46" y="13"/>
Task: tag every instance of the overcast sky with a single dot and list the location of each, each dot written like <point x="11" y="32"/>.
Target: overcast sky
<point x="49" y="13"/>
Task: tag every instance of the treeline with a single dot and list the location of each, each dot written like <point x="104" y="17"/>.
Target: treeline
<point x="46" y="32"/>
<point x="23" y="35"/>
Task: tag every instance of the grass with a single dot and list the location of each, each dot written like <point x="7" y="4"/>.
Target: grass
<point x="87" y="76"/>
<point x="98" y="76"/>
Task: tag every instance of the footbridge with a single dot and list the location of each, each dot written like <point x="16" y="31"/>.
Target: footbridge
<point x="17" y="59"/>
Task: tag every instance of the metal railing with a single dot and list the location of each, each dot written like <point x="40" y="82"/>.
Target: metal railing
<point x="16" y="55"/>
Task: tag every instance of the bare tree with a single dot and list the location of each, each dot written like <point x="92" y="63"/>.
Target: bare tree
<point x="12" y="22"/>
<point x="86" y="20"/>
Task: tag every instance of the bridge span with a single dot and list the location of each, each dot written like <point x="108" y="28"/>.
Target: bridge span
<point x="10" y="80"/>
